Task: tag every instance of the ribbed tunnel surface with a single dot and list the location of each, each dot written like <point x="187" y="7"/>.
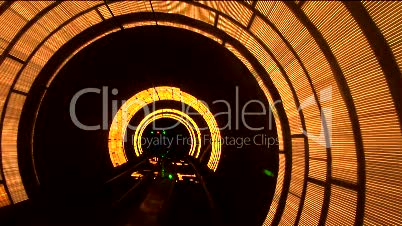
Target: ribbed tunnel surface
<point x="331" y="72"/>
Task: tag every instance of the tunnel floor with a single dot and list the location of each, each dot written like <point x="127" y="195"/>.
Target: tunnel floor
<point x="148" y="198"/>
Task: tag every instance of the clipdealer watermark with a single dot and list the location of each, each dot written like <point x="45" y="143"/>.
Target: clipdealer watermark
<point x="235" y="115"/>
<point x="236" y="142"/>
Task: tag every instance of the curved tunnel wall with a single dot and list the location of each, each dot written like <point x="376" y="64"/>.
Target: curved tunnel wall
<point x="336" y="67"/>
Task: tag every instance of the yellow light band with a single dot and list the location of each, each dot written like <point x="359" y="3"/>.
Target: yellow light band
<point x="138" y="101"/>
<point x="183" y="118"/>
<point x="191" y="131"/>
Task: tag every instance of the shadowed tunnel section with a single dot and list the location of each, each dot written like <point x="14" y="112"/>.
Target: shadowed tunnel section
<point x="330" y="71"/>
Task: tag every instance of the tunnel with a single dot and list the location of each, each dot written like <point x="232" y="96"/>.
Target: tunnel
<point x="200" y="113"/>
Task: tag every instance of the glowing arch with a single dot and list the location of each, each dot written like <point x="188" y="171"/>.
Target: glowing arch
<point x="180" y="116"/>
<point x="145" y="97"/>
<point x="138" y="136"/>
<point x="301" y="46"/>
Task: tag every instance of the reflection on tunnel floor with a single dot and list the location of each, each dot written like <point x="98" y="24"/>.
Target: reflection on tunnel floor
<point x="169" y="190"/>
<point x="174" y="196"/>
<point x="158" y="192"/>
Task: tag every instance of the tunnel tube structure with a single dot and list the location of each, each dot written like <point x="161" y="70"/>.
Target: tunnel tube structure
<point x="330" y="70"/>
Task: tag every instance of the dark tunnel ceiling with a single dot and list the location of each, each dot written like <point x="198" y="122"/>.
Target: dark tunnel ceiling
<point x="70" y="160"/>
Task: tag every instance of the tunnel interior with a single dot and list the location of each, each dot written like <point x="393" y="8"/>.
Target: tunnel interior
<point x="158" y="135"/>
<point x="80" y="83"/>
<point x="72" y="163"/>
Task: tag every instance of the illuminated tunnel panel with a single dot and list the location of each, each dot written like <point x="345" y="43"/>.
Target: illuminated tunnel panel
<point x="328" y="69"/>
<point x="138" y="101"/>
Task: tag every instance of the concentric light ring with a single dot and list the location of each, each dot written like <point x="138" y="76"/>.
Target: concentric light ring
<point x="139" y="101"/>
<point x="180" y="116"/>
